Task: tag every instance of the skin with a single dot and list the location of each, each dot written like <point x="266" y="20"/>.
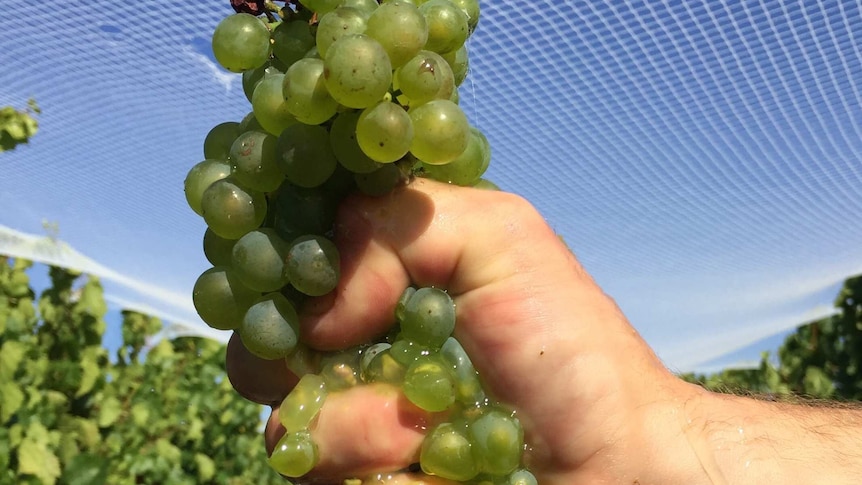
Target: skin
<point x="597" y="405"/>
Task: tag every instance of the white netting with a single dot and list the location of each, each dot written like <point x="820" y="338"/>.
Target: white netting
<point x="701" y="157"/>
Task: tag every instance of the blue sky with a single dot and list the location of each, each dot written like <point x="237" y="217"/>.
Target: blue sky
<point x="701" y="158"/>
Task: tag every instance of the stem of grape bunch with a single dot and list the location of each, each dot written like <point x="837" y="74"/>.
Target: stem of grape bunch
<point x="344" y="96"/>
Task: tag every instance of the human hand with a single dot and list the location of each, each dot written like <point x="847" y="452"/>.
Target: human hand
<point x="593" y="398"/>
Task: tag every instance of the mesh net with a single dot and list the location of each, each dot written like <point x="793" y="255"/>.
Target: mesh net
<point x="702" y="158"/>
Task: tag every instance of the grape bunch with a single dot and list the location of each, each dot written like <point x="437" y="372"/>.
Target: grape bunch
<point x="345" y="95"/>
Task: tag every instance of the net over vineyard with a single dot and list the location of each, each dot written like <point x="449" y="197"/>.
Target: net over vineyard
<point x="701" y="158"/>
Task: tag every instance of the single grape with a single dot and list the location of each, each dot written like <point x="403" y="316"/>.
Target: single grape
<point x="400" y="28"/>
<point x="497" y="439"/>
<point x="219" y="139"/>
<point x="231" y="210"/>
<point x="342" y="138"/>
<point x="200" y="177"/>
<point x="406" y="351"/>
<point x="313" y="265"/>
<point x="357" y="71"/>
<point x="381" y="181"/>
<point x="294" y="455"/>
<point x="258" y="259"/>
<point x="221" y="299"/>
<point x="441" y="131"/>
<point x="424" y="77"/>
<point x="471" y="9"/>
<point x="306" y="157"/>
<point x="241" y="42"/>
<point x="296" y="211"/>
<point x="291" y="40"/>
<point x="258" y="380"/>
<point x="268" y="104"/>
<point x="459" y="61"/>
<point x="270" y="327"/>
<point x="253" y="157"/>
<point x="521" y="477"/>
<point x="248" y="123"/>
<point x="428" y="317"/>
<point x="338" y="23"/>
<point x="447" y="26"/>
<point x="402" y="302"/>
<point x="428" y="384"/>
<point x="302" y="404"/>
<point x="377" y="365"/>
<point x="468" y="167"/>
<point x="384" y="132"/>
<point x="447" y="453"/>
<point x="252" y="77"/>
<point x="321" y="7"/>
<point x="305" y="92"/>
<point x="367" y="6"/>
<point x="341" y="370"/>
<point x="217" y="249"/>
<point x="468" y="388"/>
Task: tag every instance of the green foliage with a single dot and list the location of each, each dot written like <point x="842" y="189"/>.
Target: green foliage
<point x="17" y="126"/>
<point x="820" y="360"/>
<point x="164" y="414"/>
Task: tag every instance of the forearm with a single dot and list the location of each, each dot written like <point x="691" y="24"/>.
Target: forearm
<point x="737" y="440"/>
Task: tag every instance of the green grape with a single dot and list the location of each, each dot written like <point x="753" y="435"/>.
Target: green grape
<point x="248" y="123"/>
<point x="297" y="211"/>
<point x="381" y="181"/>
<point x="305" y="155"/>
<point x="497" y="440"/>
<point x="253" y="159"/>
<point x="424" y="77"/>
<point x="305" y="92"/>
<point x="486" y="184"/>
<point x="447" y="453"/>
<point x="406" y="351"/>
<point x="342" y="138"/>
<point x="521" y="477"/>
<point x="268" y="104"/>
<point x="367" y="6"/>
<point x="459" y="61"/>
<point x="428" y="384"/>
<point x="302" y="404"/>
<point x="468" y="389"/>
<point x="303" y="360"/>
<point x="231" y="210"/>
<point x="251" y="78"/>
<point x="429" y="317"/>
<point x="270" y="327"/>
<point x="471" y="9"/>
<point x="241" y="42"/>
<point x="221" y="299"/>
<point x="401" y="30"/>
<point x="291" y="40"/>
<point x="294" y="455"/>
<point x="340" y="370"/>
<point x="378" y="365"/>
<point x="313" y="265"/>
<point x="321" y="7"/>
<point x="219" y="139"/>
<point x="312" y="53"/>
<point x="217" y="249"/>
<point x="258" y="259"/>
<point x="338" y="23"/>
<point x="357" y="71"/>
<point x="200" y="177"/>
<point x="384" y="132"/>
<point x="402" y="302"/>
<point x="468" y="167"/>
<point x="441" y="132"/>
<point x="447" y="26"/>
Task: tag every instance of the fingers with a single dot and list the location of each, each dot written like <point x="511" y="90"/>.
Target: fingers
<point x="262" y="381"/>
<point x="361" y="432"/>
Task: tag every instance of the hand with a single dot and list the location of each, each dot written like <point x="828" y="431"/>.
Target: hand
<point x="542" y="335"/>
